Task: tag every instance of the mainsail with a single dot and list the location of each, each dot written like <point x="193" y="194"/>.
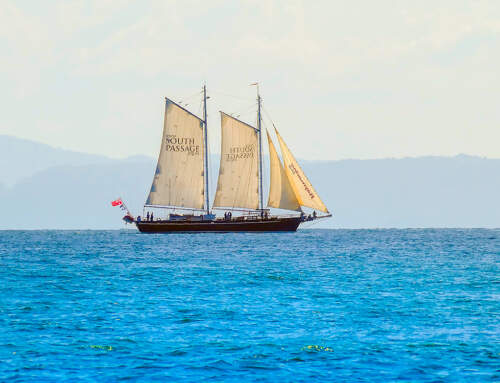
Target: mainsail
<point x="281" y="194"/>
<point x="304" y="191"/>
<point x="179" y="179"/>
<point x="238" y="184"/>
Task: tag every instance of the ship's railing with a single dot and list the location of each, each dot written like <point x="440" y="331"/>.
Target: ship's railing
<point x="249" y="216"/>
<point x="257" y="217"/>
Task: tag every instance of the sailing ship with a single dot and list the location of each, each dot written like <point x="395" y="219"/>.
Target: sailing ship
<point x="181" y="179"/>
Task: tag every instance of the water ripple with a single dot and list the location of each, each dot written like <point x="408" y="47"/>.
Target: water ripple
<point x="337" y="305"/>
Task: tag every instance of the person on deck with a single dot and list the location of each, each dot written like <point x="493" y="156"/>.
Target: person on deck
<point x="151" y="216"/>
<point x="147" y="216"/>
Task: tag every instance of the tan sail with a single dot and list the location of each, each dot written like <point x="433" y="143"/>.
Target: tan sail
<point x="303" y="189"/>
<point x="238" y="184"/>
<point x="178" y="179"/>
<point x="281" y="194"/>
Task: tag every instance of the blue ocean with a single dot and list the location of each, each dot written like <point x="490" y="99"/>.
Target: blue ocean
<point x="316" y="305"/>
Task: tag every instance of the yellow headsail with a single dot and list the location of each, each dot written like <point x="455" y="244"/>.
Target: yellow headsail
<point x="304" y="191"/>
<point x="281" y="194"/>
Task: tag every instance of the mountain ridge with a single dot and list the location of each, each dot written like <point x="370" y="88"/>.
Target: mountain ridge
<point x="71" y="190"/>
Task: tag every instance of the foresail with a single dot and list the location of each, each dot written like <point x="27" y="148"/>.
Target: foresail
<point x="238" y="183"/>
<point x="178" y="179"/>
<point x="281" y="194"/>
<point x="303" y="189"/>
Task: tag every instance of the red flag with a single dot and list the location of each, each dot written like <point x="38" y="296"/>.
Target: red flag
<point x="117" y="202"/>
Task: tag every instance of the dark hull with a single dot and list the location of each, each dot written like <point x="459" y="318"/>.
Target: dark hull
<point x="260" y="225"/>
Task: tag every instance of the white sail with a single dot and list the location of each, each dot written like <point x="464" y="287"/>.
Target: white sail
<point x="238" y="184"/>
<point x="178" y="179"/>
<point x="281" y="194"/>
<point x="304" y="191"/>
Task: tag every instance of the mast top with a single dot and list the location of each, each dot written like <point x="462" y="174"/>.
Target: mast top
<point x="257" y="85"/>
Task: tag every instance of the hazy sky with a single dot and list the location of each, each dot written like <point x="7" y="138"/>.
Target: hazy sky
<point x="341" y="79"/>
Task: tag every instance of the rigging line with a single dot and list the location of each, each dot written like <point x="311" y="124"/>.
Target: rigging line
<point x="267" y="127"/>
<point x="200" y="107"/>
<point x="263" y="122"/>
<point x="230" y="95"/>
<point x="188" y="98"/>
<point x="268" y="116"/>
<point x="245" y="111"/>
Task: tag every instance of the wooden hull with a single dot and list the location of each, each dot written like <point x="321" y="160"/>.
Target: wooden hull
<point x="258" y="225"/>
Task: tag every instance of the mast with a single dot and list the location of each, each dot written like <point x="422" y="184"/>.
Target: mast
<point x="259" y="128"/>
<point x="205" y="139"/>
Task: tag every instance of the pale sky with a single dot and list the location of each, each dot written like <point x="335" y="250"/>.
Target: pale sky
<point x="341" y="79"/>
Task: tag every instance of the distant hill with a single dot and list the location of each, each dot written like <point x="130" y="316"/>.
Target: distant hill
<point x="461" y="191"/>
<point x="23" y="158"/>
<point x="57" y="189"/>
<point x="76" y="197"/>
